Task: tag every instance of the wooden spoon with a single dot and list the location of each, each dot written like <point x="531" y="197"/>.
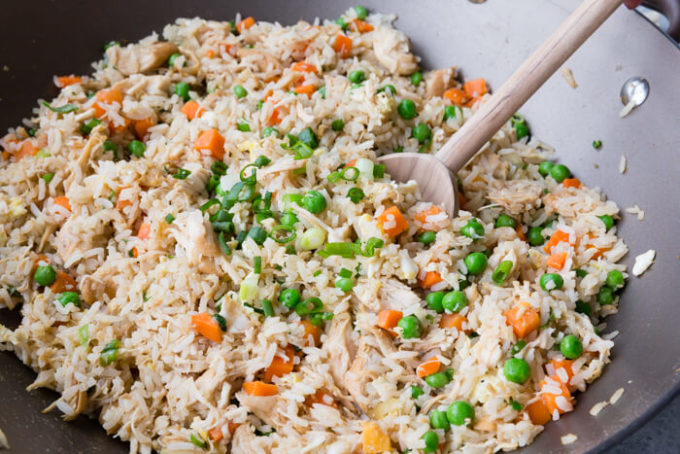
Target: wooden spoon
<point x="433" y="172"/>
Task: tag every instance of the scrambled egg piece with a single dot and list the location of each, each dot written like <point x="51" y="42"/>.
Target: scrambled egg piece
<point x="16" y="208"/>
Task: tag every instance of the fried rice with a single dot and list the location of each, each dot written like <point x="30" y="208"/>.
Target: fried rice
<point x="174" y="331"/>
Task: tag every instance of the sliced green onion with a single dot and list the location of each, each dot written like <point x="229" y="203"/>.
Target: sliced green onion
<point x="309" y="306"/>
<point x="354" y="176"/>
<point x="345" y="273"/>
<point x="287" y="228"/>
<point x="597" y="144"/>
<point x="243" y="126"/>
<point x="181" y="174"/>
<point x="219" y="168"/>
<point x="267" y="308"/>
<point x="291" y="198"/>
<point x="197" y="441"/>
<point x="262" y="161"/>
<point x="66" y="108"/>
<point x="206" y="206"/>
<point x="379" y="170"/>
<point x="372" y="244"/>
<point x="47" y="177"/>
<point x="502" y="272"/>
<point x="42" y="154"/>
<point x="302" y="151"/>
<point x="250" y="179"/>
<point x="109" y="353"/>
<point x="257" y="264"/>
<point x="333" y="177"/>
<point x="223" y="244"/>
<point x="345" y="250"/>
<point x="308" y="137"/>
<point x="90" y="125"/>
<point x="355" y="194"/>
<point x="249" y="288"/>
<point x="220" y="321"/>
<point x="258" y="234"/>
<point x="84" y="335"/>
<point x="312" y="239"/>
<point x="169" y="218"/>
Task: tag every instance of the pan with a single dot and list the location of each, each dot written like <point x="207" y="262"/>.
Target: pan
<point x="489" y="39"/>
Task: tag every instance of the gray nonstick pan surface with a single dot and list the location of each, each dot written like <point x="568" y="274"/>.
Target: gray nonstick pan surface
<point x="42" y="38"/>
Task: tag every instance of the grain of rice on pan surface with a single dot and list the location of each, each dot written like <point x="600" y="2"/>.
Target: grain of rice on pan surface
<point x="207" y="254"/>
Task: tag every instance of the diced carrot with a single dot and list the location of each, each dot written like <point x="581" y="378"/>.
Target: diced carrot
<point x="550" y="400"/>
<point x="225" y="48"/>
<point x="122" y="203"/>
<point x="63" y="201"/>
<point x="106" y="97"/>
<point x="351" y="163"/>
<point x="118" y="128"/>
<point x="65" y="81"/>
<point x="395" y="221"/>
<point x="475" y="88"/>
<point x="452" y="321"/>
<point x="523" y="324"/>
<point x="232" y="426"/>
<point x="313" y="331"/>
<point x="210" y="53"/>
<point x="556" y="238"/>
<point x="207" y="326"/>
<point x="361" y="26"/>
<point x="215" y="434"/>
<point x="41" y="259"/>
<point x="431" y="278"/>
<point x="192" y="110"/>
<point x="571" y="183"/>
<point x="388" y="319"/>
<point x="343" y="45"/>
<point x="304" y="67"/>
<point x="27" y="149"/>
<point x="429" y="367"/>
<point x="374" y="439"/>
<point x="423" y="215"/>
<point x="520" y="233"/>
<point x="260" y="388"/>
<point x="279" y="366"/>
<point x="321" y="397"/>
<point x="275" y="118"/>
<point x="305" y="90"/>
<point x="600" y="250"/>
<point x="211" y="140"/>
<point x="144" y="231"/>
<point x="63" y="283"/>
<point x="245" y="24"/>
<point x="268" y="94"/>
<point x="142" y="126"/>
<point x="556" y="260"/>
<point x="561" y="363"/>
<point x="135" y="252"/>
<point x="538" y="412"/>
<point x="6" y="155"/>
<point x="456" y="96"/>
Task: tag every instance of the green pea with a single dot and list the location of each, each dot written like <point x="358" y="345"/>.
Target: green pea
<point x="243" y="126"/>
<point x="571" y="347"/>
<point x="454" y="301"/>
<point x="615" y="279"/>
<point x="431" y="440"/>
<point x="173" y="57"/>
<point x="45" y="275"/>
<point x="69" y="297"/>
<point x="182" y="90"/>
<point x="505" y="221"/>
<point x="559" y="172"/>
<point x="356" y="77"/>
<point x="437" y="380"/>
<point x="545" y="167"/>
<point x="288" y="219"/>
<point x="438" y="420"/>
<point x="434" y="301"/>
<point x="289" y="298"/>
<point x="427" y="237"/>
<point x="410" y="326"/>
<point x="473" y="229"/>
<point x="521" y="130"/>
<point x="583" y="308"/>
<point x="314" y="202"/>
<point x="338" y="125"/>
<point x="342" y="23"/>
<point x="580" y="273"/>
<point x="422" y="133"/>
<point x="449" y="112"/>
<point x="607" y="220"/>
<point x="475" y="263"/>
<point x="535" y="236"/>
<point x="240" y="92"/>
<point x="345" y="284"/>
<point x="361" y="12"/>
<point x="516" y="370"/>
<point x="460" y="412"/>
<point x="137" y="148"/>
<point x="389" y="88"/>
<point x="407" y="109"/>
<point x="605" y="295"/>
<point x="269" y="131"/>
<point x="416" y="392"/>
<point x="416" y="78"/>
<point x="518" y="347"/>
<point x="551" y="281"/>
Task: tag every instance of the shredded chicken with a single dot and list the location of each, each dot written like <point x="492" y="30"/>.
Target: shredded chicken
<point x="391" y="50"/>
<point x="358" y="375"/>
<point x="139" y="58"/>
<point x="516" y="196"/>
<point x="191" y="234"/>
<point x="437" y="82"/>
<point x="263" y="61"/>
<point x="394" y="294"/>
<point x="339" y="346"/>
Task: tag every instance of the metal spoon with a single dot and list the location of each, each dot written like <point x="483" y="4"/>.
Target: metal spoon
<point x="432" y="172"/>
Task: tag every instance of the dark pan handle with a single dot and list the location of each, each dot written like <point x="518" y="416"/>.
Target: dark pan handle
<point x="670" y="9"/>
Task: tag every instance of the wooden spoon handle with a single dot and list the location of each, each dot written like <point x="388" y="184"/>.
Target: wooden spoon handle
<point x="526" y="80"/>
